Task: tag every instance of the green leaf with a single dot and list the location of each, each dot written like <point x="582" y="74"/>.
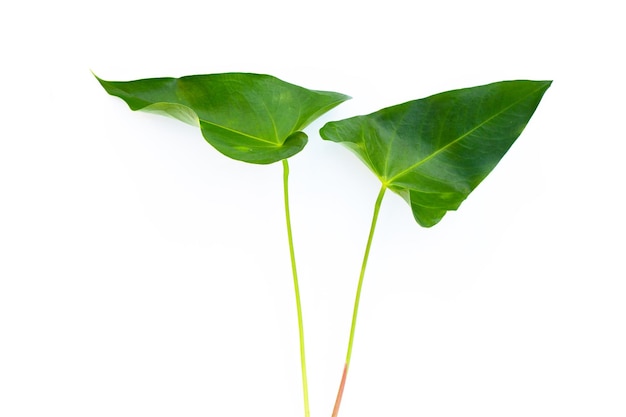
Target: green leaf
<point x="249" y="117"/>
<point x="434" y="151"/>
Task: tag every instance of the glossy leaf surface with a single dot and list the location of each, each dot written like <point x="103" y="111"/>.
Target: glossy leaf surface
<point x="434" y="151"/>
<point x="249" y="117"/>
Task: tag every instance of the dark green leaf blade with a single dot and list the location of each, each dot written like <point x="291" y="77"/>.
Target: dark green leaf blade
<point x="254" y="118"/>
<point x="435" y="151"/>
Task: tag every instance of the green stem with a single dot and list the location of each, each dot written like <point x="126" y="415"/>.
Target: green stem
<point x="379" y="200"/>
<point x="292" y="255"/>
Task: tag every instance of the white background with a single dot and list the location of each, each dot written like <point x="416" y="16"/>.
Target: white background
<point x="144" y="274"/>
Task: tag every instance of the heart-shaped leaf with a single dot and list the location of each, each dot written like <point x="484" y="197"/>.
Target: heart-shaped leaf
<point x="249" y="117"/>
<point x="434" y="151"/>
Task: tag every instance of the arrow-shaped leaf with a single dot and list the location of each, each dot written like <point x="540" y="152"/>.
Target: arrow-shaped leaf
<point x="250" y="117"/>
<point x="434" y="151"/>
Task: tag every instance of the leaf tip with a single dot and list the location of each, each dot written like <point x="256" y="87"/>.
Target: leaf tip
<point x="103" y="83"/>
<point x="96" y="76"/>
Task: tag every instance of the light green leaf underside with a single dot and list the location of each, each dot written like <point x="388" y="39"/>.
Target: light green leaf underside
<point x="435" y="151"/>
<point x="249" y="117"/>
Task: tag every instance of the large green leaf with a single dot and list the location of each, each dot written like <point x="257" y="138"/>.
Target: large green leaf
<point x="250" y="117"/>
<point x="434" y="151"/>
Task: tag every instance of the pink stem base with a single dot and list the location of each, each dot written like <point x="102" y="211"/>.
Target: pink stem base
<point x="340" y="393"/>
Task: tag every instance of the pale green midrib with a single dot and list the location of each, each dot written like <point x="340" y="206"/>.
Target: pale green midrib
<point x="298" y="126"/>
<point x="438" y="151"/>
<point x="240" y="133"/>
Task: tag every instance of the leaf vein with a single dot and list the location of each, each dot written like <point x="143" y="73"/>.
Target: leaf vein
<point x="464" y="135"/>
<point x="239" y="132"/>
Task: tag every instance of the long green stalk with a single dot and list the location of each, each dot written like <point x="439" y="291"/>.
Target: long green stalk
<point x="355" y="312"/>
<point x="292" y="255"/>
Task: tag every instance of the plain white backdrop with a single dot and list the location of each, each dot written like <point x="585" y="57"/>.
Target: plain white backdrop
<point x="142" y="273"/>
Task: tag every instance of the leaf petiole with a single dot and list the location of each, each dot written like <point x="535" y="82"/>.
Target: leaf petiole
<point x="292" y="256"/>
<point x="355" y="312"/>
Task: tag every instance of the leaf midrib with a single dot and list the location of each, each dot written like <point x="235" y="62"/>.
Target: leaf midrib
<point x="239" y="132"/>
<point x="442" y="149"/>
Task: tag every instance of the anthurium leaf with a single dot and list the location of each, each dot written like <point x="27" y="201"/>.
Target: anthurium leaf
<point x="434" y="151"/>
<point x="249" y="117"/>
